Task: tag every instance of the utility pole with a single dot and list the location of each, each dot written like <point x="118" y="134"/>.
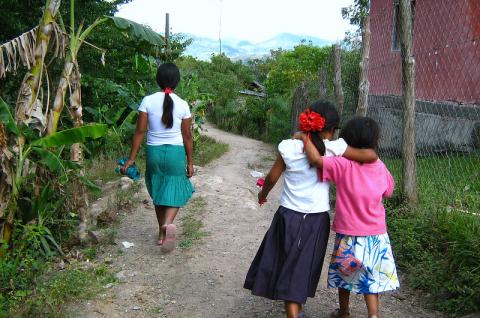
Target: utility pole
<point x="167" y="36"/>
<point x="220" y="28"/>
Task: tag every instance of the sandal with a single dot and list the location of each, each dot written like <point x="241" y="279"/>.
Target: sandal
<point x="336" y="314"/>
<point x="160" y="242"/>
<point x="169" y="239"/>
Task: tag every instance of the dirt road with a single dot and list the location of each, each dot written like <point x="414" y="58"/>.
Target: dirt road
<point x="206" y="280"/>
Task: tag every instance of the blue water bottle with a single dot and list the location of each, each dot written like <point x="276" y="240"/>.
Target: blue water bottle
<point x="132" y="171"/>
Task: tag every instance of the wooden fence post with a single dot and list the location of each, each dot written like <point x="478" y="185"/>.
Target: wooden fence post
<point x="363" y="85"/>
<point x="408" y="100"/>
<point x="300" y="101"/>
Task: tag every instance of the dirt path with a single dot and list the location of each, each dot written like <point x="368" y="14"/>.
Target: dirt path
<point x="206" y="280"/>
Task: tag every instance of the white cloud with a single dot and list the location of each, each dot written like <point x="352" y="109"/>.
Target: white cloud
<point x="253" y="20"/>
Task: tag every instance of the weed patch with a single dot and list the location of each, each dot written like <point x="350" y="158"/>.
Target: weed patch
<point x="436" y="242"/>
<point x="192" y="223"/>
<point x="59" y="287"/>
<point x="207" y="149"/>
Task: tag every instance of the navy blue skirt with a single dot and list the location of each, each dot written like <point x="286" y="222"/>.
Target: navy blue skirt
<point x="289" y="261"/>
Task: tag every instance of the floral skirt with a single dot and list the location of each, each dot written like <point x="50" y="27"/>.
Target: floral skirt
<point x="363" y="264"/>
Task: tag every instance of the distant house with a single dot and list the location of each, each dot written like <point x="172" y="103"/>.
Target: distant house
<point x="446" y="47"/>
<point x="254" y="89"/>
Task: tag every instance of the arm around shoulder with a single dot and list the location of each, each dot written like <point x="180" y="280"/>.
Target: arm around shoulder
<point x="360" y="155"/>
<point x="313" y="156"/>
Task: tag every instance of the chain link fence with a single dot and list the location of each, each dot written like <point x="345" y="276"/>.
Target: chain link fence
<point x="446" y="49"/>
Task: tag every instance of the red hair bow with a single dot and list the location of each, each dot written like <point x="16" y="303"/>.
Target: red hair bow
<point x="310" y="121"/>
<point x="168" y="90"/>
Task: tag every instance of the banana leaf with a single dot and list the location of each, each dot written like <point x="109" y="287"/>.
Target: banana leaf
<point x="49" y="159"/>
<point x="139" y="31"/>
<point x="90" y="185"/>
<point x="6" y="118"/>
<point x="71" y="136"/>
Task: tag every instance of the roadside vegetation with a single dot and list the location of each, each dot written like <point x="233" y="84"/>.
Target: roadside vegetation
<point x="43" y="216"/>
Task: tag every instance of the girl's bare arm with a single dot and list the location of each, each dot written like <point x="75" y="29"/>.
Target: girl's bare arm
<point x="360" y="155"/>
<point x="141" y="128"/>
<point x="271" y="179"/>
<point x="186" y="129"/>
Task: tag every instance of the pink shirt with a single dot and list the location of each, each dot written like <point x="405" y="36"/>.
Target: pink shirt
<point x="359" y="210"/>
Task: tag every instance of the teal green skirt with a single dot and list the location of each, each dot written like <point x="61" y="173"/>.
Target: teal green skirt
<point x="165" y="176"/>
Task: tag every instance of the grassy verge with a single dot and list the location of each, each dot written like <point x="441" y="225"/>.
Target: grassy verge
<point x="436" y="242"/>
<point x="192" y="224"/>
<point x="30" y="286"/>
<point x="58" y="287"/>
<point x="207" y="149"/>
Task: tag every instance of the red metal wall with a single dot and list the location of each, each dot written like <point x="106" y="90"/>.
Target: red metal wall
<point x="446" y="49"/>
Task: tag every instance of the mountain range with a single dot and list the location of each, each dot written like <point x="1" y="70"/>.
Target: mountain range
<point x="202" y="48"/>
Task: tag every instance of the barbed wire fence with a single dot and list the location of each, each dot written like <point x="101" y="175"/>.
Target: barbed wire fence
<point x="446" y="97"/>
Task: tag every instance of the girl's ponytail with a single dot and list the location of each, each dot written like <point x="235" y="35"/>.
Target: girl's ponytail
<point x="167" y="116"/>
<point x="168" y="77"/>
<point x="318" y="143"/>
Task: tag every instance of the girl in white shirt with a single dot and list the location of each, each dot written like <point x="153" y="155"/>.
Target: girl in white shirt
<point x="169" y="151"/>
<point x="289" y="261"/>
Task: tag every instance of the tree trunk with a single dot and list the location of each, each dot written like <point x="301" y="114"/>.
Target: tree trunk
<point x="322" y="77"/>
<point x="363" y="85"/>
<point x="337" y="84"/>
<point x="28" y="107"/>
<point x="300" y="101"/>
<point x="5" y="176"/>
<point x="408" y="100"/>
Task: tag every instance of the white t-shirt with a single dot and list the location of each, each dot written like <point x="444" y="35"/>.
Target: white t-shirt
<point x="302" y="190"/>
<point x="157" y="133"/>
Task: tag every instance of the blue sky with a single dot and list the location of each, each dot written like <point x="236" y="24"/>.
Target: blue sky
<point x="253" y="20"/>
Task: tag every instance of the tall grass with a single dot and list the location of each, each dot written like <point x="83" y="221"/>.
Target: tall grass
<point x="436" y="243"/>
<point x="207" y="149"/>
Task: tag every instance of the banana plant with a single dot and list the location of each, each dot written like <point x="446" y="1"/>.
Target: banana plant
<point x="42" y="151"/>
<point x="71" y="72"/>
<point x="29" y="107"/>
